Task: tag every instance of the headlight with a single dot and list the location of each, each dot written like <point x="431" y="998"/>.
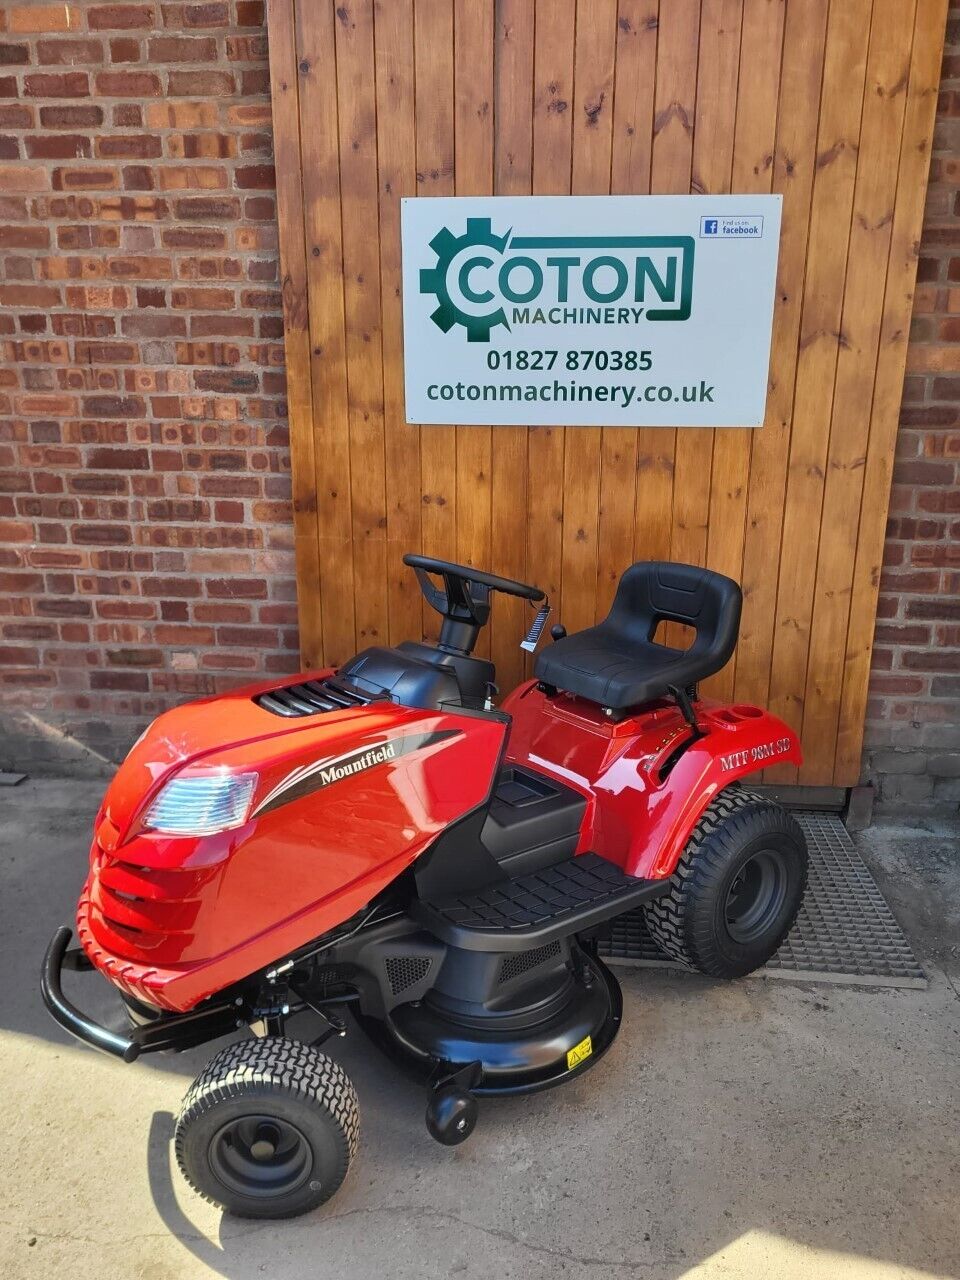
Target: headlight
<point x="201" y="806"/>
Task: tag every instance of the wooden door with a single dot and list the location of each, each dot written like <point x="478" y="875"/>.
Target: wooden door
<point x="829" y="102"/>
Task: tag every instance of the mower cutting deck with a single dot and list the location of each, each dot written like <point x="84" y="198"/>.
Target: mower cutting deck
<point x="382" y="840"/>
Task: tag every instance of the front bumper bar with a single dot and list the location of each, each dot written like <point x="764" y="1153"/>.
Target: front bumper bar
<point x="69" y="1016"/>
<point x="174" y="1031"/>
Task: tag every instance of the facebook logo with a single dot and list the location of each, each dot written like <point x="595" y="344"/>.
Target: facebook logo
<point x="732" y="227"/>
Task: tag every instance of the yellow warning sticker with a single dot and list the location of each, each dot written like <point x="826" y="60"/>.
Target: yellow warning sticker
<point x="579" y="1053"/>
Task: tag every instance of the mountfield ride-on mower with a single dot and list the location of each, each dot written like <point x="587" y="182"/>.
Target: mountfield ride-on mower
<point x="383" y="839"/>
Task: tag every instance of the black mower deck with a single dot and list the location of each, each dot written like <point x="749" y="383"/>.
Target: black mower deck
<point x="529" y="910"/>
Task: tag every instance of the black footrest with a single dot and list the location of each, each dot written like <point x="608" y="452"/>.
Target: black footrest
<point x="514" y="915"/>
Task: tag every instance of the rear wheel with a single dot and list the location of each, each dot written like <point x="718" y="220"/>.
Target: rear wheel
<point x="736" y="890"/>
<point x="268" y="1129"/>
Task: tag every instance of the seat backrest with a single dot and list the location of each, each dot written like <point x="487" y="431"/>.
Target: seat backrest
<point x="654" y="591"/>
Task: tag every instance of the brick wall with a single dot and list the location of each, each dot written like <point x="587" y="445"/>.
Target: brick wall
<point x="145" y="531"/>
<point x="913" y="721"/>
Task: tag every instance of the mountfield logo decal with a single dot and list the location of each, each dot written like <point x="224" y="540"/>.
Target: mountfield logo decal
<point x="324" y="773"/>
<point x="482" y="280"/>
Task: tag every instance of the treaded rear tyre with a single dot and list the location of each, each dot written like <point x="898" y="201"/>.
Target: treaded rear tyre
<point x="741" y="839"/>
<point x="268" y="1129"/>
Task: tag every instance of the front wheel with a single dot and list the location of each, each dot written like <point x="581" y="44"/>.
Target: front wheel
<point x="736" y="890"/>
<point x="268" y="1129"/>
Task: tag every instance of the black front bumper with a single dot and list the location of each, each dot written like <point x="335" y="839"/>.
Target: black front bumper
<point x="173" y="1031"/>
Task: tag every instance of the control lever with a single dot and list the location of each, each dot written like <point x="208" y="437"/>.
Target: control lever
<point x="529" y="642"/>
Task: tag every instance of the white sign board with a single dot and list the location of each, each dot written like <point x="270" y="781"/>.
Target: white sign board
<point x="589" y="310"/>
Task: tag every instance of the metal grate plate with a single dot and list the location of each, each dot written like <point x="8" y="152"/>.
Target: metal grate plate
<point x="845" y="931"/>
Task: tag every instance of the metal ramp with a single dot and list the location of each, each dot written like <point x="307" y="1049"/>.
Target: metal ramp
<point x="845" y="931"/>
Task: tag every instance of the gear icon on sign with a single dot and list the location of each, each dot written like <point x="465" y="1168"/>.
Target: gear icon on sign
<point x="433" y="280"/>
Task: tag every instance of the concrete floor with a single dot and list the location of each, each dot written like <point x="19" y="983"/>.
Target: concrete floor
<point x="753" y="1129"/>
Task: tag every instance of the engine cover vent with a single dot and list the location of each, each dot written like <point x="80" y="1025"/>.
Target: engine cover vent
<point x="404" y="972"/>
<point x="310" y="698"/>
<point x="522" y="961"/>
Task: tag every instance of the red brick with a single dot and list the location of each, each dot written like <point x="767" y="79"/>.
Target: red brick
<point x="25" y="177"/>
<point x="237" y="588"/>
<point x="118" y="459"/>
<point x="129" y="681"/>
<point x="160" y="326"/>
<point x="184" y="588"/>
<point x="210" y="14"/>
<point x="254" y="82"/>
<point x="86" y="179"/>
<point x="128" y="115"/>
<point x="73" y="117"/>
<point x="112" y="17"/>
<point x="24" y="237"/>
<point x="201" y="84"/>
<point x="182" y="49"/>
<point x="69" y="84"/>
<point x="42" y="17"/>
<point x="256" y="175"/>
<point x="68" y="52"/>
<point x="25" y="295"/>
<point x="193" y="238"/>
<point x="128" y="84"/>
<point x="12" y="55"/>
<point x="260" y="209"/>
<point x="58" y="146"/>
<point x="249" y="13"/>
<point x="139" y="146"/>
<point x="124" y="49"/>
<point x="207" y="208"/>
<point x="16" y="116"/>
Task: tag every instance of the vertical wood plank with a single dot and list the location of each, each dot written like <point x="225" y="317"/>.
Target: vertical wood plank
<point x="433" y="45"/>
<point x="801" y="87"/>
<point x="718" y="72"/>
<point x="838" y="140"/>
<point x="671" y="167"/>
<point x="915" y="148"/>
<point x="594" y="55"/>
<point x="357" y="115"/>
<point x="888" y="74"/>
<point x="513" y="174"/>
<point x="634" y="77"/>
<point x="754" y="144"/>
<point x="316" y="59"/>
<point x="473" y="161"/>
<point x="552" y="165"/>
<point x="397" y="175"/>
<point x="293" y="284"/>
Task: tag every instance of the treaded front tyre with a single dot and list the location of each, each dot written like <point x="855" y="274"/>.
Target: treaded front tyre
<point x="268" y="1129"/>
<point x="736" y="890"/>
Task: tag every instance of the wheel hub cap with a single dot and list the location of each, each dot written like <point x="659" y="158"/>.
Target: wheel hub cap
<point x="260" y="1156"/>
<point x="756" y="896"/>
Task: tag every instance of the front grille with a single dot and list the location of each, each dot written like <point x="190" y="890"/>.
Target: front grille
<point x="522" y="961"/>
<point x="310" y="698"/>
<point x="149" y="911"/>
<point x="406" y="971"/>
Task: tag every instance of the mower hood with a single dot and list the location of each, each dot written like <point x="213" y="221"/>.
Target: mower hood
<point x="186" y="735"/>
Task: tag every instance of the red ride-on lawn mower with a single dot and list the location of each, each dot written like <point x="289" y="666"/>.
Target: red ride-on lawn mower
<point x="383" y="838"/>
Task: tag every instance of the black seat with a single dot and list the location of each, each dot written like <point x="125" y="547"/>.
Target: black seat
<point x="617" y="663"/>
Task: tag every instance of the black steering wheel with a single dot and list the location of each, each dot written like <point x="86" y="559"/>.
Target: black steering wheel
<point x="464" y="600"/>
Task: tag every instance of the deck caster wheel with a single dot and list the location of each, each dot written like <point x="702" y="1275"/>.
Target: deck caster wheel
<point x="451" y="1115"/>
